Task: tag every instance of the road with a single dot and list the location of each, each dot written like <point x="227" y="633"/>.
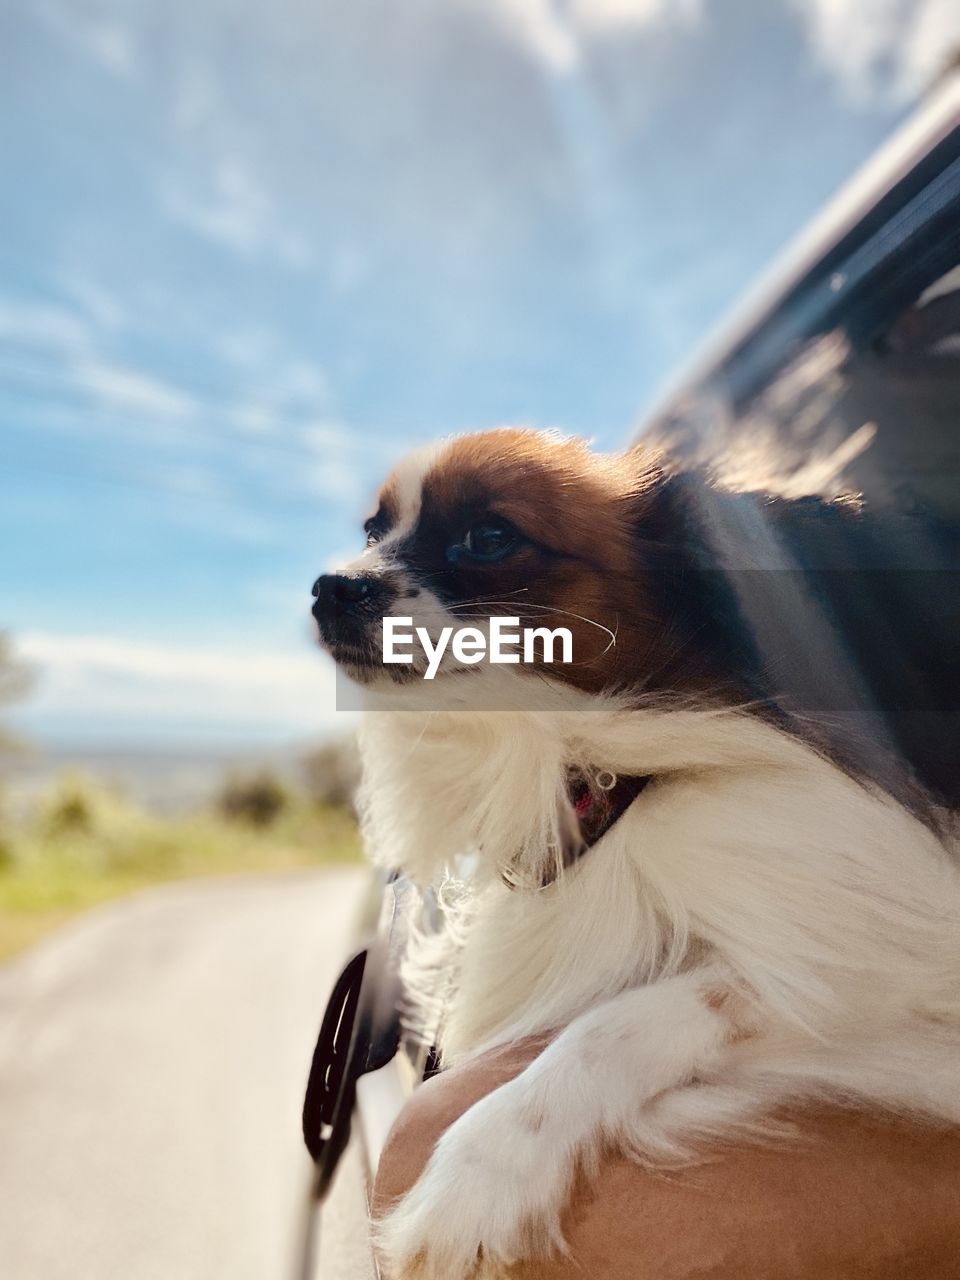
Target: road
<point x="152" y="1060"/>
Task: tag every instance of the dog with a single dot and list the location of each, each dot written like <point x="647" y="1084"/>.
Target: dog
<point x="710" y="898"/>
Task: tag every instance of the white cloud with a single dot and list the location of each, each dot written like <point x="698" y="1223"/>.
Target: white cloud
<point x="537" y="26"/>
<point x="349" y="266"/>
<point x="299" y="382"/>
<point x="105" y="39"/>
<point x="93" y="680"/>
<point x="43" y="327"/>
<point x="288" y="397"/>
<point x="102" y="306"/>
<point x="556" y="37"/>
<point x="233" y="207"/>
<point x="251" y="346"/>
<point x="277" y="387"/>
<point x="295" y="251"/>
<point x="130" y="390"/>
<point x="284" y="400"/>
<point x="622" y="15"/>
<point x="196" y="98"/>
<point x="323" y="435"/>
<point x="887" y="49"/>
<point x="237" y="213"/>
<point x="254" y="419"/>
<point x="339" y="460"/>
<point x="336" y="477"/>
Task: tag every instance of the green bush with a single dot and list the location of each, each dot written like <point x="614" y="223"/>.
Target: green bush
<point x="71" y="809"/>
<point x="259" y="799"/>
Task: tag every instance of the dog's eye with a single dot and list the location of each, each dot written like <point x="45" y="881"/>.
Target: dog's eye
<point x="375" y="528"/>
<point x="486" y="541"/>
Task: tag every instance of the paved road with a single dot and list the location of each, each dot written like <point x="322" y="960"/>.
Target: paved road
<point x="152" y="1058"/>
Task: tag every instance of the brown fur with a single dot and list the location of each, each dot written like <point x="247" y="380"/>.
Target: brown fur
<point x="592" y="521"/>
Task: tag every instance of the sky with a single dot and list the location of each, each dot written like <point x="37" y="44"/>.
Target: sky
<point x="250" y="253"/>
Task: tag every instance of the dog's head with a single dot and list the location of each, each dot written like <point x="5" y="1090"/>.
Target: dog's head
<point x="520" y="524"/>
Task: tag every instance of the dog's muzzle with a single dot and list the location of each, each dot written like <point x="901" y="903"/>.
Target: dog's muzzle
<point x="346" y="605"/>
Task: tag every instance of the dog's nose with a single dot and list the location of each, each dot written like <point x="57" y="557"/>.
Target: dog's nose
<point x="341" y="589"/>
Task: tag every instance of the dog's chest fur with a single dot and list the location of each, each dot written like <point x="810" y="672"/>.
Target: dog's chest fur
<point x="820" y="894"/>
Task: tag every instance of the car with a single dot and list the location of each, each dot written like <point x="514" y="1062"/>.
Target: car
<point x="841" y="369"/>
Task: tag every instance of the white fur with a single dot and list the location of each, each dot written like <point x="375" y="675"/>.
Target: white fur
<point x="757" y="927"/>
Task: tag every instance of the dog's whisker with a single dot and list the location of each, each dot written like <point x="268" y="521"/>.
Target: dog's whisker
<point x="461" y="604"/>
<point x="550" y="608"/>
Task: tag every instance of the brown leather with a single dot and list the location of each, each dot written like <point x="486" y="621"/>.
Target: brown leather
<point x="859" y="1198"/>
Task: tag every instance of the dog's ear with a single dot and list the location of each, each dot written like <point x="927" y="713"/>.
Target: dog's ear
<point x="675" y="517"/>
<point x="662" y="504"/>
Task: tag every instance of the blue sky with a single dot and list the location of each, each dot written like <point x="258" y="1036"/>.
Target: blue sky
<point x="249" y="254"/>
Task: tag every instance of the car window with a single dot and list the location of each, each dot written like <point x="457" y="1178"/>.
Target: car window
<point x="849" y="395"/>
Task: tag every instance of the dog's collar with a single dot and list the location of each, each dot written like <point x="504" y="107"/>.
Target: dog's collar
<point x="599" y="800"/>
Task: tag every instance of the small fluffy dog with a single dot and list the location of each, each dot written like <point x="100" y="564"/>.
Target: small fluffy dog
<point x="705" y="897"/>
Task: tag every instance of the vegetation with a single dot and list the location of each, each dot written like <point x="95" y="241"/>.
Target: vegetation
<point x="85" y="844"/>
<point x="258" y="800"/>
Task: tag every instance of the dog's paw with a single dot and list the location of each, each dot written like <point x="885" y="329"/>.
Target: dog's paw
<point x="491" y="1196"/>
